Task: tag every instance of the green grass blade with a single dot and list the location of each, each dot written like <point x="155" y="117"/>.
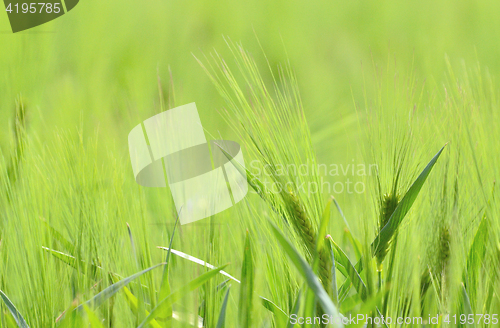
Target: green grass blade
<point x="467" y="308"/>
<point x="133" y="303"/>
<point x="353" y="274"/>
<point x="100" y="298"/>
<point x="198" y="261"/>
<point x="354" y="242"/>
<point x="325" y="220"/>
<point x="254" y="182"/>
<point x="72" y="262"/>
<point x="341" y="213"/>
<point x="478" y="249"/>
<point x="367" y="308"/>
<point x="346" y="286"/>
<point x="66" y="258"/>
<point x="296" y="309"/>
<point x="59" y="237"/>
<point x="382" y="240"/>
<point x="93" y="319"/>
<point x="165" y="286"/>
<point x="307" y="273"/>
<point x="280" y="316"/>
<point x="70" y="318"/>
<point x="221" y="322"/>
<point x="246" y="289"/>
<point x="310" y="304"/>
<point x="335" y="293"/>
<point x="178" y="294"/>
<point x="21" y="323"/>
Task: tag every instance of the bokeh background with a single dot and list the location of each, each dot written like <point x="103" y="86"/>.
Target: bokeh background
<point x="97" y="66"/>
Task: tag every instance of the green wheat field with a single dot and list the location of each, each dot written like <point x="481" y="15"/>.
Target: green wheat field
<point x="370" y="132"/>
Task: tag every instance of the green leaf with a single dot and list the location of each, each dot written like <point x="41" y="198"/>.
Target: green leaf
<point x="165" y="285"/>
<point x="93" y="319"/>
<point x="280" y="316"/>
<point x="467" y="307"/>
<point x="325" y="220"/>
<point x="178" y="294"/>
<point x="346" y="286"/>
<point x="356" y="245"/>
<point x="100" y="298"/>
<point x="383" y="239"/>
<point x="21" y="323"/>
<point x="368" y="306"/>
<point x="198" y="261"/>
<point x="335" y="293"/>
<point x="59" y="237"/>
<point x="246" y="288"/>
<point x="70" y="318"/>
<point x="221" y="322"/>
<point x="72" y="262"/>
<point x="307" y="273"/>
<point x="133" y="303"/>
<point x="353" y="274"/>
<point x="309" y="304"/>
<point x="478" y="247"/>
<point x="296" y="309"/>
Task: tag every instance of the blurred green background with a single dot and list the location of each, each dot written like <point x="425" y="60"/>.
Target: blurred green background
<point x="98" y="64"/>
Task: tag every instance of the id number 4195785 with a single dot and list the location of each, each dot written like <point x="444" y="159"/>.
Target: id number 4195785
<point x="34" y="8"/>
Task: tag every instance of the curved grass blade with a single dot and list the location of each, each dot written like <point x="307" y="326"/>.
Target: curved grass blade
<point x="221" y="322"/>
<point x="21" y="323"/>
<point x="198" y="261"/>
<point x="114" y="288"/>
<point x="383" y="239"/>
<point x="59" y="237"/>
<point x="93" y="319"/>
<point x="280" y="316"/>
<point x="353" y="274"/>
<point x="208" y="265"/>
<point x="133" y="303"/>
<point x="246" y="289"/>
<point x="307" y="273"/>
<point x="70" y="318"/>
<point x="346" y="286"/>
<point x="178" y="294"/>
<point x="72" y="262"/>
